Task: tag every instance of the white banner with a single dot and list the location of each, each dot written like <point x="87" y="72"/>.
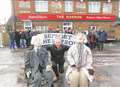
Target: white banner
<point x="67" y="39"/>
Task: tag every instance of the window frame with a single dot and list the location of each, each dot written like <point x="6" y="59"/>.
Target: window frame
<point x="38" y="6"/>
<point x="70" y="7"/>
<point x="95" y="7"/>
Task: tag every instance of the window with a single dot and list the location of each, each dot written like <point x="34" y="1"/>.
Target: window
<point x="81" y="7"/>
<point x="68" y="6"/>
<point x="67" y="26"/>
<point x="107" y="8"/>
<point x="41" y="6"/>
<point x="56" y="6"/>
<point x="94" y="7"/>
<point x="42" y="28"/>
<point x="28" y="24"/>
<point x="92" y="27"/>
<point x="24" y="4"/>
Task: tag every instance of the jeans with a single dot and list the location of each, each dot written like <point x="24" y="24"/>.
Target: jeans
<point x="58" y="67"/>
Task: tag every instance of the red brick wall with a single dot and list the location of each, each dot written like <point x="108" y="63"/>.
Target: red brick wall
<point x="77" y="25"/>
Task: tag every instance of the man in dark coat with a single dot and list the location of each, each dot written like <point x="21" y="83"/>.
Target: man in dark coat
<point x="17" y="38"/>
<point x="101" y="39"/>
<point x="12" y="39"/>
<point x="57" y="57"/>
<point x="35" y="62"/>
<point x="28" y="37"/>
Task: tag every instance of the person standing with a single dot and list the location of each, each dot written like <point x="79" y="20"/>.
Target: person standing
<point x="17" y="38"/>
<point x="12" y="39"/>
<point x="102" y="38"/>
<point x="57" y="51"/>
<point x="28" y="37"/>
<point x="80" y="71"/>
<point x="22" y="39"/>
<point x="91" y="39"/>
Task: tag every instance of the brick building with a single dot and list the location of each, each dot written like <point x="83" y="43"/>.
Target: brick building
<point x="66" y="14"/>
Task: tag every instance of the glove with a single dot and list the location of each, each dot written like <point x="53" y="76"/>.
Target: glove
<point x="28" y="74"/>
<point x="73" y="66"/>
<point x="91" y="71"/>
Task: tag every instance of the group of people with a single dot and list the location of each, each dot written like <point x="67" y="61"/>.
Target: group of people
<point x="96" y="39"/>
<point x="21" y="38"/>
<point x="42" y="66"/>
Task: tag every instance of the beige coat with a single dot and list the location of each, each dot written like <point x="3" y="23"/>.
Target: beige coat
<point x="73" y="59"/>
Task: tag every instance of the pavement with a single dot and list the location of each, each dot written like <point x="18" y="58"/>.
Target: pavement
<point x="10" y="67"/>
<point x="106" y="64"/>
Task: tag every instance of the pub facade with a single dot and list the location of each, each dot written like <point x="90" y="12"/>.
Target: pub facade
<point x="45" y="15"/>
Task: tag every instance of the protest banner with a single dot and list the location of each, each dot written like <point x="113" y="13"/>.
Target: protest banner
<point x="67" y="39"/>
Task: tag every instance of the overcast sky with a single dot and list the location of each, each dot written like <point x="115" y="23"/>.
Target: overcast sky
<point x="5" y="10"/>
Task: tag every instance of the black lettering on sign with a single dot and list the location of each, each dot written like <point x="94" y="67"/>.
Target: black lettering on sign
<point x="47" y="35"/>
<point x="71" y="42"/>
<point x="47" y="41"/>
<point x="64" y="36"/>
<point x="69" y="37"/>
<point x="44" y="41"/>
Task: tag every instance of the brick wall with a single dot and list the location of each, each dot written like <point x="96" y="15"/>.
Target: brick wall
<point x="76" y="25"/>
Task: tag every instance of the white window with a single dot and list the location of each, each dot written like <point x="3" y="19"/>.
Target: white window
<point x="94" y="7"/>
<point x="92" y="27"/>
<point x="81" y="7"/>
<point x="24" y="4"/>
<point x="68" y="6"/>
<point x="28" y="24"/>
<point x="107" y="8"/>
<point x="56" y="6"/>
<point x="42" y="28"/>
<point x="67" y="26"/>
<point x="41" y="6"/>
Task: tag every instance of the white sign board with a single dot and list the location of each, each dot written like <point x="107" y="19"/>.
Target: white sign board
<point x="67" y="39"/>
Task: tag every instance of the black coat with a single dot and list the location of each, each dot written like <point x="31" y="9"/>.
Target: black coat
<point x="36" y="62"/>
<point x="57" y="54"/>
